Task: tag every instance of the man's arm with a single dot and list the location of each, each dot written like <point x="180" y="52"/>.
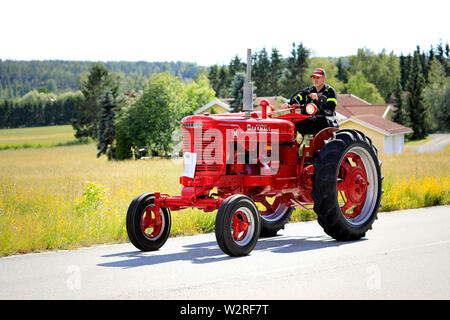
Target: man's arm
<point x="330" y="106"/>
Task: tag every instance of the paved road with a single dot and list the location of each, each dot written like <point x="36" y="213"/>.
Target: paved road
<point x="437" y="143"/>
<point x="405" y="256"/>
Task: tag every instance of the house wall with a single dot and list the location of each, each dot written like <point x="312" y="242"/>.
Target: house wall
<point x="389" y="145"/>
<point x="399" y="143"/>
<point x="376" y="137"/>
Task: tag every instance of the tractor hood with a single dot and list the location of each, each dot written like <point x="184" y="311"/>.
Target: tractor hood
<point x="237" y="123"/>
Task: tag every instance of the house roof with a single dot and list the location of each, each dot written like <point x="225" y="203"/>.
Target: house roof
<point x="379" y="124"/>
<point x="212" y="103"/>
<point x="277" y="102"/>
<point x="349" y="99"/>
<point x="357" y="110"/>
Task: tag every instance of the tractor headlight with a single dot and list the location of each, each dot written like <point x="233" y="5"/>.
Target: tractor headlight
<point x="311" y="109"/>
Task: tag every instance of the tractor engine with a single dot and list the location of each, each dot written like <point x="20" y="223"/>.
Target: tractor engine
<point x="239" y="154"/>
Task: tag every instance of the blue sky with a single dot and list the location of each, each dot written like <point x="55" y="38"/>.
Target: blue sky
<point x="209" y="32"/>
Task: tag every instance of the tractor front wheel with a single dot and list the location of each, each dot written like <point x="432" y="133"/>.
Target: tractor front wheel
<point x="237" y="225"/>
<point x="148" y="227"/>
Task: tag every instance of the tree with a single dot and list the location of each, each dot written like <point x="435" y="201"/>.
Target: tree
<point x="276" y="72"/>
<point x="380" y="69"/>
<point x="405" y="66"/>
<point x="150" y="120"/>
<point x="297" y="63"/>
<point x="98" y="81"/>
<point x="237" y="92"/>
<point x="196" y="94"/>
<point x="342" y="72"/>
<point x="359" y="86"/>
<point x="417" y="111"/>
<point x="437" y="97"/>
<point x="225" y="82"/>
<point x="400" y="114"/>
<point x="261" y="73"/>
<point x="213" y="77"/>
<point x="106" y="126"/>
<point x="235" y="66"/>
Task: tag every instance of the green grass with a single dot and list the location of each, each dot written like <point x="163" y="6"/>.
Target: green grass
<point x="418" y="142"/>
<point x="66" y="197"/>
<point x="37" y="137"/>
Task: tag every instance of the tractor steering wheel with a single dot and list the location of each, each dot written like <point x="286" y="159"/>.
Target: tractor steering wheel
<point x="294" y="97"/>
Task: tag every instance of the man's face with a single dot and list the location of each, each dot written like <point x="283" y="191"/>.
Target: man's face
<point x="318" y="81"/>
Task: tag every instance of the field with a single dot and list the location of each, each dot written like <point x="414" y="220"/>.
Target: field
<point x="65" y="197"/>
<point x="37" y="137"/>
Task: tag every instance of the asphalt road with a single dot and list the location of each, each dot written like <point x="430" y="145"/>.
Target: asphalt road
<point x="437" y="143"/>
<point x="405" y="256"/>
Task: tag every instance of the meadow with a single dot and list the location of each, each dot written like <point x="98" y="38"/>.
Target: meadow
<point x="64" y="197"/>
<point x="37" y="137"/>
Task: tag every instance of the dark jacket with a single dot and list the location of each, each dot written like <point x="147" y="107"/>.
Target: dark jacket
<point x="327" y="109"/>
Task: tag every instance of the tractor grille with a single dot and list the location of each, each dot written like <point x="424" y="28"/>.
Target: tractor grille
<point x="205" y="147"/>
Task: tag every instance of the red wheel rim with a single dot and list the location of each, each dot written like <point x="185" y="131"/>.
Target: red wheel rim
<point x="352" y="185"/>
<point x="239" y="226"/>
<point x="270" y="208"/>
<point x="151" y="222"/>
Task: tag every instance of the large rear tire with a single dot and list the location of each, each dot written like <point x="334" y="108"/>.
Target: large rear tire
<point x="147" y="228"/>
<point x="274" y="217"/>
<point x="347" y="185"/>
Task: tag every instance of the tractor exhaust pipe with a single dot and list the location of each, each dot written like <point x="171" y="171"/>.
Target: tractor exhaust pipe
<point x="248" y="87"/>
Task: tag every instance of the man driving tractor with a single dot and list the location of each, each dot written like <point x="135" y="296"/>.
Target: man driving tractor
<point x="326" y="115"/>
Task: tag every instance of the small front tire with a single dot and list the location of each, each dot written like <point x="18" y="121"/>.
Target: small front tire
<point x="147" y="228"/>
<point x="237" y="225"/>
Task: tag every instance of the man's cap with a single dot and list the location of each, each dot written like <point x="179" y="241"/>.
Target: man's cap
<point x="318" y="72"/>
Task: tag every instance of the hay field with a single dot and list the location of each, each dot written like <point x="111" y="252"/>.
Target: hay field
<point x="65" y="197"/>
<point x="36" y="137"/>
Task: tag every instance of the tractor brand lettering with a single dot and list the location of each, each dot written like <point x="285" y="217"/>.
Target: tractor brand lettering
<point x="193" y="125"/>
<point x="257" y="127"/>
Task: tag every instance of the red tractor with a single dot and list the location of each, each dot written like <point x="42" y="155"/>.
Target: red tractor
<point x="250" y="167"/>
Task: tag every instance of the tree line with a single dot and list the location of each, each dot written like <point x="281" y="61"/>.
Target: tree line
<point x="417" y="84"/>
<point x="39" y="108"/>
<point x="126" y="114"/>
<point x="17" y="78"/>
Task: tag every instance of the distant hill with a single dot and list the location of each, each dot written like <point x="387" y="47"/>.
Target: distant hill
<point x="19" y="77"/>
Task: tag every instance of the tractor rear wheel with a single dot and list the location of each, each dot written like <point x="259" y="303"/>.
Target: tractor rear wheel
<point x="237" y="225"/>
<point x="347" y="185"/>
<point x="274" y="217"/>
<point x="148" y="228"/>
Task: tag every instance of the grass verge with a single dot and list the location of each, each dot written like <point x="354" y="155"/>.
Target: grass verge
<point x="65" y="197"/>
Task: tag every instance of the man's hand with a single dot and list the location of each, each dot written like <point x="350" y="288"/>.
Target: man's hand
<point x="314" y="96"/>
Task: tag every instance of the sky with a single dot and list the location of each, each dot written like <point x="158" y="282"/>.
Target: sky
<point x="211" y="32"/>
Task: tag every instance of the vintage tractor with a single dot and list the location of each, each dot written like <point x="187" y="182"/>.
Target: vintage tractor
<point x="251" y="167"/>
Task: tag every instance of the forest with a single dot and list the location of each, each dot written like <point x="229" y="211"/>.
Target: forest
<point x="107" y="101"/>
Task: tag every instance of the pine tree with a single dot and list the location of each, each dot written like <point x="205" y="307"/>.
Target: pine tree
<point x="235" y="66"/>
<point x="295" y="70"/>
<point x="99" y="80"/>
<point x="261" y="73"/>
<point x="276" y="72"/>
<point x="237" y="92"/>
<point x="342" y="72"/>
<point x="213" y="76"/>
<point x="400" y="115"/>
<point x="405" y="66"/>
<point x="106" y="126"/>
<point x="224" y="82"/>
<point x="417" y="112"/>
